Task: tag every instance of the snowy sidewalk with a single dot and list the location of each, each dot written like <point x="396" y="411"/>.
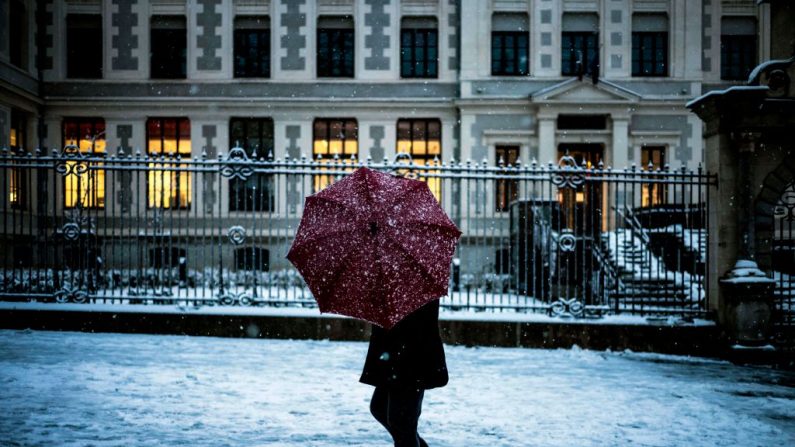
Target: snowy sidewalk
<point x="78" y="389"/>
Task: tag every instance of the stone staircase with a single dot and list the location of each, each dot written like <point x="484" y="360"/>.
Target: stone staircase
<point x="643" y="280"/>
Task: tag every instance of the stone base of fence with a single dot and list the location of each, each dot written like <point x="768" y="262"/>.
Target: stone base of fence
<point x="700" y="340"/>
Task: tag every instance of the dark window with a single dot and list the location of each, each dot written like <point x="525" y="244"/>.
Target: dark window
<point x="252" y="47"/>
<point x="419" y="49"/>
<point x="160" y="257"/>
<point x="17" y="177"/>
<point x="255" y="136"/>
<point x="18" y="34"/>
<point x="649" y="44"/>
<point x="333" y="137"/>
<point x="506" y="190"/>
<point x="581" y="122"/>
<point x="509" y="53"/>
<point x="87" y="188"/>
<point x="252" y="259"/>
<point x="649" y="54"/>
<point x="168" y="187"/>
<point x="737" y="56"/>
<point x="579" y="53"/>
<point x="168" y="47"/>
<point x="737" y="47"/>
<point x="84" y="46"/>
<point x="652" y="158"/>
<point x="422" y="139"/>
<point x="335" y="47"/>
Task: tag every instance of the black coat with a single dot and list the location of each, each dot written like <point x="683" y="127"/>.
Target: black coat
<point x="410" y="354"/>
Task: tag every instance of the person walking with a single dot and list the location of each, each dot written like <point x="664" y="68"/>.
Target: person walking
<point x="401" y="364"/>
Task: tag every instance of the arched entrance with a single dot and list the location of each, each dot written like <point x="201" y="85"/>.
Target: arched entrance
<point x="775" y="236"/>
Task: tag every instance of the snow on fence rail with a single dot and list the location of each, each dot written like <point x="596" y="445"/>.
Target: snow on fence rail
<point x="571" y="238"/>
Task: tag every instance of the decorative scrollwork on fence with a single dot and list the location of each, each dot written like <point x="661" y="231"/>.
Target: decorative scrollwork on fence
<point x="71" y="294"/>
<point x="231" y="298"/>
<point x="237" y="235"/>
<point x="69" y="163"/>
<point x="567" y="241"/>
<point x="568" y="174"/>
<point x="571" y="307"/>
<point x="785" y="209"/>
<point x="237" y="165"/>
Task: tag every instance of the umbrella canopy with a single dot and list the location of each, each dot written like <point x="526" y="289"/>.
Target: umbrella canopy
<point x="374" y="246"/>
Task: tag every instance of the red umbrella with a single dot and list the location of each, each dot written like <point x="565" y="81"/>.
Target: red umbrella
<point x="374" y="246"/>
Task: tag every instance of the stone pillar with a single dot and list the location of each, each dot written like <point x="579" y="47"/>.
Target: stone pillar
<point x="547" y="149"/>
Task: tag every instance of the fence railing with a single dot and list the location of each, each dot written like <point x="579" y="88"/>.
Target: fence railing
<point x="133" y="228"/>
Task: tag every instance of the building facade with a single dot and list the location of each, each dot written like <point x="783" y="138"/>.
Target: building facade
<point x="500" y="81"/>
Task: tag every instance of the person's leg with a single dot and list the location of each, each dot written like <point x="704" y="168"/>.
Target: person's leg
<point x="403" y="413"/>
<point x="379" y="407"/>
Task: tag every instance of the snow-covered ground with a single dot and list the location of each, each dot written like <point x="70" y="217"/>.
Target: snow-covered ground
<point x="76" y="389"/>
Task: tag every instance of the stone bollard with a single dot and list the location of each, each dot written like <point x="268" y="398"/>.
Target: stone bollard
<point x="747" y="304"/>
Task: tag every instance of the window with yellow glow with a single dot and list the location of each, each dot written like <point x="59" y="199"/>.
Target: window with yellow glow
<point x="507" y="190"/>
<point x="422" y="139"/>
<point x="334" y="137"/>
<point x="653" y="158"/>
<point x="165" y="186"/>
<point x="17" y="177"/>
<point x="86" y="190"/>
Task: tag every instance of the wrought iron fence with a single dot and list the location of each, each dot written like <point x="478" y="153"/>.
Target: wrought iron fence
<point x="570" y="238"/>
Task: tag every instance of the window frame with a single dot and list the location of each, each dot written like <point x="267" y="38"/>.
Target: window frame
<point x="731" y="72"/>
<point x="242" y="50"/>
<point x="408" y="54"/>
<point x="175" y="177"/>
<point x="161" y="64"/>
<point x="325" y="63"/>
<point x="97" y="127"/>
<point x="425" y="158"/>
<point x="17" y="177"/>
<point x="653" y="194"/>
<point x="84" y="46"/>
<point x="325" y="157"/>
<point x="571" y="69"/>
<point x="499" y="65"/>
<point x="257" y="181"/>
<point x="637" y="54"/>
<point x="505" y="190"/>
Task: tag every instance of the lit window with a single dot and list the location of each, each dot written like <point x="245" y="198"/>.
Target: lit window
<point x="419" y="48"/>
<point x="252" y="47"/>
<point x="653" y="158"/>
<point x="168" y="47"/>
<point x="737" y="47"/>
<point x="335" y="47"/>
<point x="256" y="192"/>
<point x="507" y="190"/>
<point x="334" y="137"/>
<point x="422" y="139"/>
<point x="17" y="187"/>
<point x="168" y="187"/>
<point x="649" y="45"/>
<point x="579" y="49"/>
<point x="86" y="135"/>
<point x="84" y="46"/>
<point x="509" y="45"/>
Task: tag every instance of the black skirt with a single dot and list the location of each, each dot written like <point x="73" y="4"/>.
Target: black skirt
<point x="410" y="354"/>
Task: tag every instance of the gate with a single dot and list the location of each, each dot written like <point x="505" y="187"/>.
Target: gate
<point x="567" y="239"/>
<point x="783" y="266"/>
